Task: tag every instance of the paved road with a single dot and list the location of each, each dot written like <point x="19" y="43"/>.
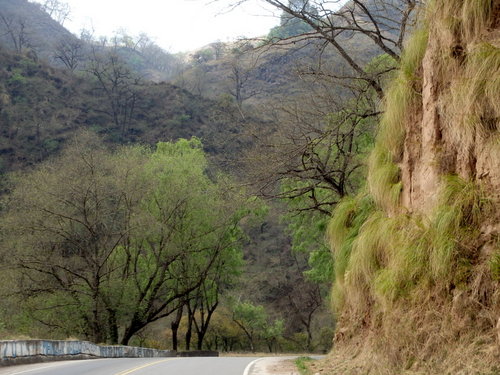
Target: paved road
<point x="136" y="366"/>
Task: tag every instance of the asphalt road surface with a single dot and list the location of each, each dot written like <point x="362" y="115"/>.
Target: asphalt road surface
<point x="136" y="366"/>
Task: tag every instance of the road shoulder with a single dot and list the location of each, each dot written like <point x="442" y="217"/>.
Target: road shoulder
<point x="272" y="366"/>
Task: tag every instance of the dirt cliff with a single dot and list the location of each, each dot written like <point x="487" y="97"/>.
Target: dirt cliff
<point x="417" y="254"/>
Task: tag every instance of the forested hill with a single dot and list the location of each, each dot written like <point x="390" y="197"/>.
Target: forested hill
<point x="37" y="29"/>
<point x="41" y="107"/>
<point x="26" y="25"/>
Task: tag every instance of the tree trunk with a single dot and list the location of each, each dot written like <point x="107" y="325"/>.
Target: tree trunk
<point x="113" y="327"/>
<point x="189" y="331"/>
<point x="174" y="326"/>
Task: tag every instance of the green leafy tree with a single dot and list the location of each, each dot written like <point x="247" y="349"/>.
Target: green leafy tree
<point x="291" y="26"/>
<point x="272" y="332"/>
<point x="64" y="223"/>
<point x="251" y="319"/>
<point x="106" y="243"/>
<point x="203" y="302"/>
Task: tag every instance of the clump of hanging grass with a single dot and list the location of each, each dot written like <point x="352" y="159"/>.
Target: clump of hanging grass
<point x="495" y="264"/>
<point x="456" y="220"/>
<point x="476" y="17"/>
<point x="371" y="250"/>
<point x="402" y="93"/>
<point x="414" y="52"/>
<point x="340" y="225"/>
<point x="347" y="219"/>
<point x="468" y="19"/>
<point x="472" y="105"/>
<point x="437" y="250"/>
<point x="407" y="262"/>
<point x="384" y="179"/>
<point x="388" y="257"/>
<point x="392" y="132"/>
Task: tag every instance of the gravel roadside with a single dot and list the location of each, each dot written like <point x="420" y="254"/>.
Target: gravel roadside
<point x="273" y="366"/>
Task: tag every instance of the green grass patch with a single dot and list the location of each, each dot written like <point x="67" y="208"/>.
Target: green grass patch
<point x="302" y="365"/>
<point x="413" y="53"/>
<point x="384" y="257"/>
<point x="348" y="217"/>
<point x="495" y="265"/>
<point x="384" y="179"/>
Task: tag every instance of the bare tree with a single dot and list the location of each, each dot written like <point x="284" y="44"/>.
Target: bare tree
<point x="384" y="22"/>
<point x="219" y="49"/>
<point x="317" y="140"/>
<point x="315" y="151"/>
<point x="117" y="84"/>
<point x="16" y="29"/>
<point x="69" y="51"/>
<point x="242" y="63"/>
<point x="56" y="9"/>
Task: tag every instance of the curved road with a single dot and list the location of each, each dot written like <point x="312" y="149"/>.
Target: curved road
<point x="137" y="366"/>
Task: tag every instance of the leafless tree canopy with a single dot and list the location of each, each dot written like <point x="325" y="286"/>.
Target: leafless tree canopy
<point x="58" y="10"/>
<point x="321" y="136"/>
<point x="384" y="22"/>
<point x="70" y="52"/>
<point x="17" y="31"/>
<point x="117" y="84"/>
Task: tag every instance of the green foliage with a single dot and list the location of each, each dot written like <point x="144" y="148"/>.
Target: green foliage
<point x="302" y="366"/>
<point x="255" y="323"/>
<point x="384" y="178"/>
<point x="17" y="78"/>
<point x="104" y="238"/>
<point x="495" y="265"/>
<point x="382" y="258"/>
<point x="289" y="28"/>
<point x="251" y="316"/>
<point x="308" y="232"/>
<point x="413" y="53"/>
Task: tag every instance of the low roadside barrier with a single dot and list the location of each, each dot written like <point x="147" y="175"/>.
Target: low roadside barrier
<point x="31" y="351"/>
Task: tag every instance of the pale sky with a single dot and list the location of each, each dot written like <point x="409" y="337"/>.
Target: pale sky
<point x="175" y="25"/>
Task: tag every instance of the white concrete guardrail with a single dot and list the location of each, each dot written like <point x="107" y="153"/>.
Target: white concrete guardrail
<point x="30" y="351"/>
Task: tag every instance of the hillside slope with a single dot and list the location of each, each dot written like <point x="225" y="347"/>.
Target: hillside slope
<point x="41" y="107"/>
<point x="25" y="27"/>
<point x="417" y="254"/>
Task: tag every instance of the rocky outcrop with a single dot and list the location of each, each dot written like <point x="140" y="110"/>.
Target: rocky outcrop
<point x="417" y="255"/>
<point x="436" y="142"/>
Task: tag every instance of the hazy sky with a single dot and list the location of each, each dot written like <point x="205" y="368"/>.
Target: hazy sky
<point x="176" y="25"/>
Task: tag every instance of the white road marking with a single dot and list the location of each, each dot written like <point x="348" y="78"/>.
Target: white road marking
<point x="38" y="368"/>
<point x="249" y="366"/>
